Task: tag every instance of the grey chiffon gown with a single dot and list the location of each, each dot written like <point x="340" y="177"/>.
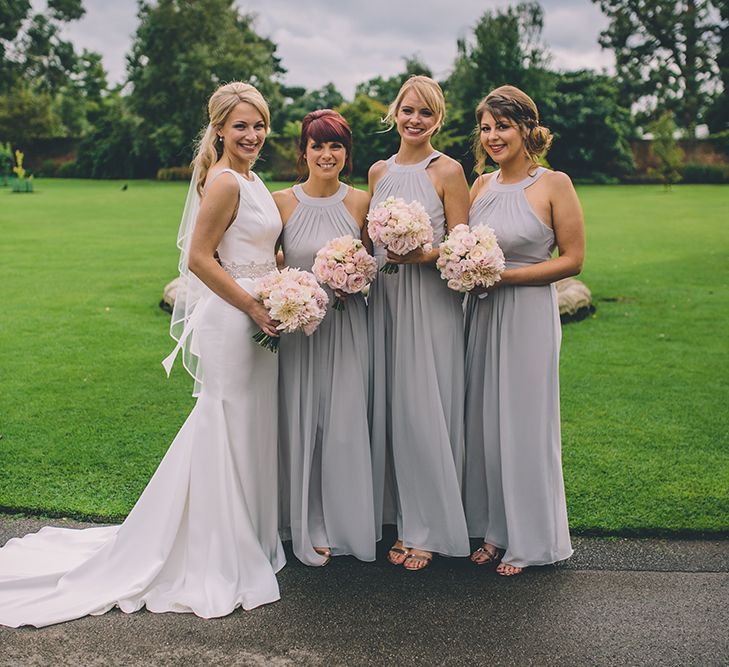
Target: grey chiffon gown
<point x="513" y="489"/>
<point x="417" y="386"/>
<point x="324" y="449"/>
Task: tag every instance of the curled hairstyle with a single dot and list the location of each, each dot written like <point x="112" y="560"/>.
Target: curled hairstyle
<point x="325" y="125"/>
<point x="221" y="103"/>
<point x="514" y="105"/>
<point x="427" y="90"/>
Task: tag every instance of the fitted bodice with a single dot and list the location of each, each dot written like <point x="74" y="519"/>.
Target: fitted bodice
<point x="314" y="222"/>
<point x="523" y="237"/>
<point x="411" y="182"/>
<point x="247" y="249"/>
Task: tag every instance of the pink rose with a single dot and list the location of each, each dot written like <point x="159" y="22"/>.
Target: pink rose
<point x="355" y="283"/>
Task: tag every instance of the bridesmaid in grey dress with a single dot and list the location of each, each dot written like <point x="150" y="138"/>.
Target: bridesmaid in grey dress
<point x="513" y="489"/>
<point x="416" y="347"/>
<point x="324" y="448"/>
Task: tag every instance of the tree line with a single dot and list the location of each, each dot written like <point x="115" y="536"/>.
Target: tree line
<point x="672" y="62"/>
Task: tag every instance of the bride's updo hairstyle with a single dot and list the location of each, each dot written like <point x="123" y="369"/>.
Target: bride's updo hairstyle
<point x="325" y="125"/>
<point x="427" y="90"/>
<point x="514" y="105"/>
<point x="221" y="103"/>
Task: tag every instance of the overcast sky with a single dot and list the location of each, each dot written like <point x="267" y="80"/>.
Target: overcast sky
<point x="349" y="41"/>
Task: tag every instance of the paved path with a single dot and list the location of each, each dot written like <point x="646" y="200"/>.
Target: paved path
<point x="616" y="602"/>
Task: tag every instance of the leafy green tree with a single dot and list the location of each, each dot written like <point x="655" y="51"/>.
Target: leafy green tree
<point x="115" y="147"/>
<point x="300" y="102"/>
<point x="181" y="52"/>
<point x="6" y="162"/>
<point x="505" y="48"/>
<point x="40" y="55"/>
<point x="592" y="128"/>
<point x="92" y="76"/>
<point x="34" y="58"/>
<point x="26" y="114"/>
<point x="79" y="100"/>
<point x="665" y="54"/>
<point x="666" y="150"/>
<point x="370" y="141"/>
<point x="386" y="90"/>
<point x="48" y="61"/>
<point x="717" y="116"/>
<point x="12" y="15"/>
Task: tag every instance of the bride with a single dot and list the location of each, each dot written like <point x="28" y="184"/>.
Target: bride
<point x="202" y="537"/>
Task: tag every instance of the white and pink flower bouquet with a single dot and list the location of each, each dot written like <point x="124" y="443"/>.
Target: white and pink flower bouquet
<point x="344" y="265"/>
<point x="400" y="228"/>
<point x="294" y="298"/>
<point x="470" y="257"/>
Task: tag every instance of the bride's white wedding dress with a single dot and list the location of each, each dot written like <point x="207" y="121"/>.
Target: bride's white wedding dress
<point x="203" y="537"/>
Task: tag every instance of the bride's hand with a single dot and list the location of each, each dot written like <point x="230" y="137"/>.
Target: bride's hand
<point x="261" y="317"/>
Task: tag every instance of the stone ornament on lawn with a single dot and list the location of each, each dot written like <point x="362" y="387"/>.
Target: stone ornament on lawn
<point x="170" y="293"/>
<point x="574" y="299"/>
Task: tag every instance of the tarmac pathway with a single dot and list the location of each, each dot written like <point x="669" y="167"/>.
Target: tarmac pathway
<point x="615" y="602"/>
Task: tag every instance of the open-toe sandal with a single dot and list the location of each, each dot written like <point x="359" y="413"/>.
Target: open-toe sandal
<point x="485" y="556"/>
<point x="401" y="553"/>
<point x="326" y="552"/>
<point x="417" y="561"/>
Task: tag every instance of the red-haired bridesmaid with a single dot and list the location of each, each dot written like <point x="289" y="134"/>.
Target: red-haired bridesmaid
<point x="325" y="467"/>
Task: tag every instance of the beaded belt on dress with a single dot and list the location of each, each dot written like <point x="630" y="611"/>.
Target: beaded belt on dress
<point x="248" y="269"/>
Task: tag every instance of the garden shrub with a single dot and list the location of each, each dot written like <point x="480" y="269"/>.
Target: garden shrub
<point x="174" y="174"/>
<point x="705" y="173"/>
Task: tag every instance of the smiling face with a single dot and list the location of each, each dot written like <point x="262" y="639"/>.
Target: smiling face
<point x="415" y="121"/>
<point x="325" y="159"/>
<point x="243" y="133"/>
<point x="501" y="138"/>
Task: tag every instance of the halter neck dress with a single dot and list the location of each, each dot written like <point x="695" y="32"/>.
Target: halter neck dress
<point x="203" y="536"/>
<point x="324" y="447"/>
<point x="513" y="488"/>
<point x="417" y="385"/>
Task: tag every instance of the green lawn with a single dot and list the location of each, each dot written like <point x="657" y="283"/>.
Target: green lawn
<point x="86" y="411"/>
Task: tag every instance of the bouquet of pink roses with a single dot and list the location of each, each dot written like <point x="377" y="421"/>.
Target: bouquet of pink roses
<point x="345" y="265"/>
<point x="470" y="257"/>
<point x="400" y="228"/>
<point x="294" y="298"/>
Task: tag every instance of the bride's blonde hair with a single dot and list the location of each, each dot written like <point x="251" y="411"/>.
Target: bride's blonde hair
<point x="427" y="90"/>
<point x="221" y="103"/>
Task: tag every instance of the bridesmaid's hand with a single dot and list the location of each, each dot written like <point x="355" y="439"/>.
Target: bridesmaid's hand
<point x="416" y="256"/>
<point x="478" y="291"/>
<point x="261" y="317"/>
<point x="341" y="295"/>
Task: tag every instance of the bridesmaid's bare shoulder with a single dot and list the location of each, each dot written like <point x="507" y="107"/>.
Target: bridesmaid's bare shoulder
<point x="376" y="172"/>
<point x="358" y="203"/>
<point x="447" y="167"/>
<point x="557" y="181"/>
<point x="480" y="185"/>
